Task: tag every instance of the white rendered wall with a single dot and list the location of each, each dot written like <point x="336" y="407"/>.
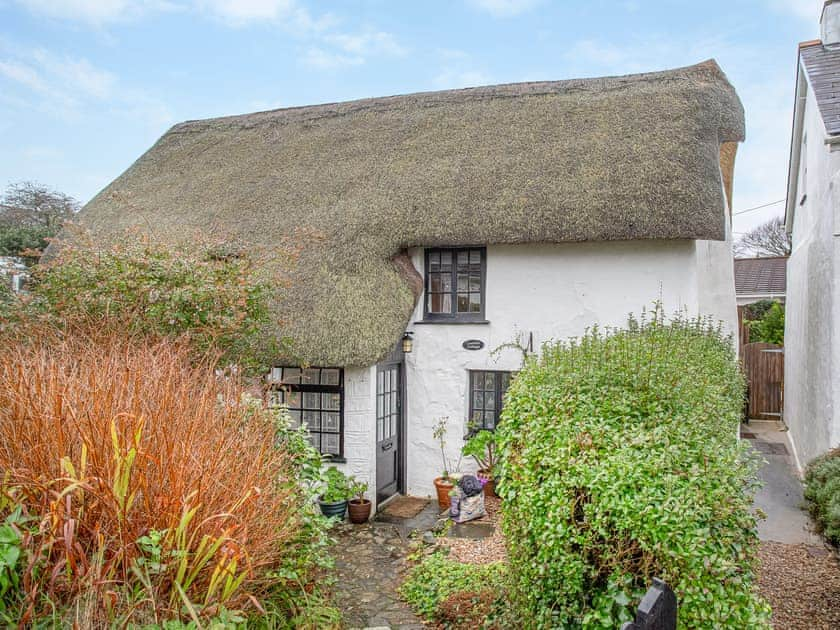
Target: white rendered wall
<point x="554" y="292"/>
<point x="360" y="426"/>
<point x="812" y="313"/>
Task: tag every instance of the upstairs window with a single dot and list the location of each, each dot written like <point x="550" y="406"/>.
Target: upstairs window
<point x="315" y="398"/>
<point x="455" y="280"/>
<point x="487" y="391"/>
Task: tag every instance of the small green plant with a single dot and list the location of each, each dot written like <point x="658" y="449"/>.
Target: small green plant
<point x="822" y="491"/>
<point x="770" y="327"/>
<point x="482" y="448"/>
<point x="337" y="486"/>
<point x="437" y="578"/>
<point x="358" y="489"/>
<point x="439" y="432"/>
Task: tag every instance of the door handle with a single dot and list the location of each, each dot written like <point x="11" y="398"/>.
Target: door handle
<point x="388" y="446"/>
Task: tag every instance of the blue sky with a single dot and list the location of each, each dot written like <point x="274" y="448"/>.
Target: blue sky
<point x="87" y="85"/>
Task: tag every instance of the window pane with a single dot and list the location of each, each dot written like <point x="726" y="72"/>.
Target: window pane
<point x="275" y="399"/>
<point x="463" y="258"/>
<point x="394" y="424"/>
<point x="330" y="377"/>
<point x="311" y="400"/>
<point x="478" y="400"/>
<point x="380" y="406"/>
<point x="312" y="419"/>
<point x="331" y="401"/>
<point x="393" y="398"/>
<point x="329" y="443"/>
<point x="379" y="436"/>
<point x="489" y="381"/>
<point x="463" y="282"/>
<point x="489" y="400"/>
<point x="489" y="420"/>
<point x="291" y="375"/>
<point x="463" y="302"/>
<point x="475" y="282"/>
<point x="330" y="422"/>
<point x="434" y="258"/>
<point x="295" y="414"/>
<point x="315" y="440"/>
<point x="475" y="256"/>
<point x="292" y="399"/>
<point x="435" y="283"/>
<point x="475" y="302"/>
<point x="311" y="376"/>
<point x="445" y="258"/>
<point x="275" y="375"/>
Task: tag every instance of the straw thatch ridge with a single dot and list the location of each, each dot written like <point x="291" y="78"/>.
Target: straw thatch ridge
<point x="635" y="157"/>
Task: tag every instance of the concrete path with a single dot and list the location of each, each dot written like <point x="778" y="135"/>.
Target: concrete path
<point x="780" y="497"/>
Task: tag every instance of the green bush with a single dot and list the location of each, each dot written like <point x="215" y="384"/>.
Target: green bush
<point x="437" y="578"/>
<point x="620" y="462"/>
<point x="770" y="327"/>
<point x="822" y="490"/>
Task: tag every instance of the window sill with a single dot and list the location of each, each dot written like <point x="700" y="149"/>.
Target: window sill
<point x="452" y="322"/>
<point x="334" y="460"/>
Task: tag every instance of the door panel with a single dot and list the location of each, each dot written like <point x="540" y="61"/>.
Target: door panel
<point x="388" y="415"/>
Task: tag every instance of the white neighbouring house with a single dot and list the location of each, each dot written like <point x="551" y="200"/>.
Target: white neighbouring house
<point x="469" y="219"/>
<point x="812" y="319"/>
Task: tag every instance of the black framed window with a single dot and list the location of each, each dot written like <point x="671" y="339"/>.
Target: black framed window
<point x="487" y="391"/>
<point x="455" y="283"/>
<point x="315" y="398"/>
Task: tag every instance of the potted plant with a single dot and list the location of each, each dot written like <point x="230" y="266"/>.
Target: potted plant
<point x="359" y="507"/>
<point x="333" y="500"/>
<point x="445" y="482"/>
<point x="482" y="448"/>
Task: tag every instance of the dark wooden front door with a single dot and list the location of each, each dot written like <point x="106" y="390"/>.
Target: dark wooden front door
<point x="389" y="387"/>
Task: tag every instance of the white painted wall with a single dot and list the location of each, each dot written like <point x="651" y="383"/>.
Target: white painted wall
<point x="360" y="426"/>
<point x="812" y="317"/>
<point x="555" y="292"/>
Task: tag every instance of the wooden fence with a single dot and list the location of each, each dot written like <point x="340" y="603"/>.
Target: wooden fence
<point x="764" y="365"/>
<point x="657" y="610"/>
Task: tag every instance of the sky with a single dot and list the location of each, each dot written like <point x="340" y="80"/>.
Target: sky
<point x="86" y="86"/>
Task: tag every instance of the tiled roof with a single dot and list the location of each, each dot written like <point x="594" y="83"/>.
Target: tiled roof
<point x="760" y="276"/>
<point x="823" y="67"/>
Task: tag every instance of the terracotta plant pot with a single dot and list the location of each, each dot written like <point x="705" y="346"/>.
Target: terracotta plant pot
<point x="359" y="511"/>
<point x="490" y="485"/>
<point x="443" y="486"/>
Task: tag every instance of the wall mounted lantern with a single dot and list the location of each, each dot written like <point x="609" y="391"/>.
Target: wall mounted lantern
<point x="407" y="342"/>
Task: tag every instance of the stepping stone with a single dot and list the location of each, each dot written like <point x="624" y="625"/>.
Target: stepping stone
<point x="472" y="530"/>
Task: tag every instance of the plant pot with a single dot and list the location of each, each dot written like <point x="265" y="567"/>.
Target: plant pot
<point x="443" y="486"/>
<point x="332" y="510"/>
<point x="359" y="511"/>
<point x="490" y="483"/>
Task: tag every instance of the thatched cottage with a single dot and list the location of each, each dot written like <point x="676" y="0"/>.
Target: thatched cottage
<point x="466" y="222"/>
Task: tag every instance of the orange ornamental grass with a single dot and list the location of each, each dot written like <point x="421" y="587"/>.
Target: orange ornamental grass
<point x="154" y="490"/>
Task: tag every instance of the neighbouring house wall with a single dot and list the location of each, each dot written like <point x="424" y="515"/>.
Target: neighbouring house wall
<point x="359" y="426"/>
<point x="812" y="317"/>
<point x="743" y="300"/>
<point x="553" y="292"/>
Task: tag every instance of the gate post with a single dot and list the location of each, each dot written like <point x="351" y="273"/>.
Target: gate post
<point x="657" y="610"/>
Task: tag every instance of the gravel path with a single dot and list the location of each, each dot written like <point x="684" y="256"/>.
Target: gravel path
<point x="802" y="584"/>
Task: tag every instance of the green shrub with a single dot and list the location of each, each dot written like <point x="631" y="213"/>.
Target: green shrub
<point x="770" y="327"/>
<point x="437" y="578"/>
<point x="217" y="300"/>
<point x="822" y="490"/>
<point x="620" y="462"/>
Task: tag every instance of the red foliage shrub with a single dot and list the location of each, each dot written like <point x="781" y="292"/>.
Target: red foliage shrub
<point x="152" y="487"/>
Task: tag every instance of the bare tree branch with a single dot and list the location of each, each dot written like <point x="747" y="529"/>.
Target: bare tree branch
<point x="768" y="239"/>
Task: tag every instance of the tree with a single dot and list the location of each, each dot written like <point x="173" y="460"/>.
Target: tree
<point x="768" y="239"/>
<point x="31" y="213"/>
<point x="771" y="327"/>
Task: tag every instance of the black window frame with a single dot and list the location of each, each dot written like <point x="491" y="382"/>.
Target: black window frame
<point x="453" y="315"/>
<point x="319" y="388"/>
<point x="498" y="397"/>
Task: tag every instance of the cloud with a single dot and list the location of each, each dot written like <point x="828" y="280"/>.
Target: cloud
<point x="805" y="9"/>
<point x="96" y="12"/>
<point x="458" y="70"/>
<point x="67" y="88"/>
<point x="504" y="8"/>
<point x="367" y="43"/>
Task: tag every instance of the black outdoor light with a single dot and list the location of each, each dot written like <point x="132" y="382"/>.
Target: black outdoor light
<point x="407" y="342"/>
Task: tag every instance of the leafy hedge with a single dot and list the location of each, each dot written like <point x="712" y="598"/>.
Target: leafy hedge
<point x="822" y="490"/>
<point x="620" y="462"/>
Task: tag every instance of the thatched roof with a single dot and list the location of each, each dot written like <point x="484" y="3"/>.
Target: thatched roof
<point x="634" y="157"/>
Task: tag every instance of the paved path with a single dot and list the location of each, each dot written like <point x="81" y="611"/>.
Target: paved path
<point x="780" y="496"/>
<point x="369" y="562"/>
